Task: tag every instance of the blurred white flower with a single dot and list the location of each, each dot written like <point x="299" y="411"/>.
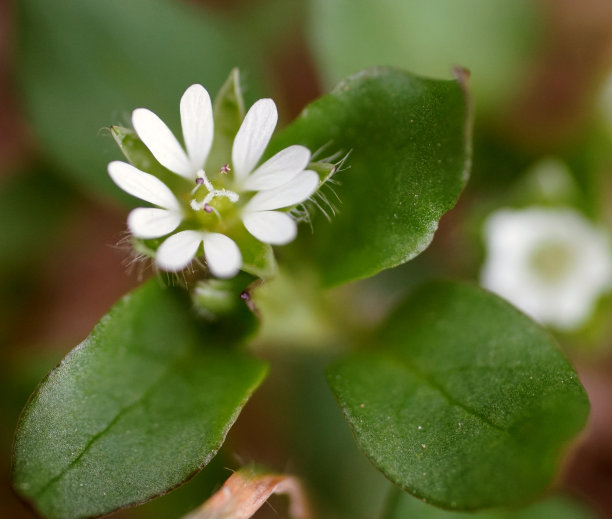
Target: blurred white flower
<point x="551" y="263"/>
<point x="205" y="208"/>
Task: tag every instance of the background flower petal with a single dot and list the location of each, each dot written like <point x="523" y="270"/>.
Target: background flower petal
<point x="150" y="222"/>
<point x="289" y="194"/>
<point x="178" y="250"/>
<point x="161" y="142"/>
<point x="222" y="255"/>
<point x="271" y="227"/>
<point x="253" y="137"/>
<point x="142" y="185"/>
<point x="279" y="169"/>
<point x="197" y="123"/>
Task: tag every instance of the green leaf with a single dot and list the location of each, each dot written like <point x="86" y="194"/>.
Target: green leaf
<point x="494" y="40"/>
<point x="404" y="506"/>
<point x="466" y="403"/>
<point x="84" y="65"/>
<point x="135" y="410"/>
<point x="408" y="139"/>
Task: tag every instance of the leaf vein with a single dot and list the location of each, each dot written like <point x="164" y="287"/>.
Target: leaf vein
<point x="426" y="377"/>
<point x="108" y="427"/>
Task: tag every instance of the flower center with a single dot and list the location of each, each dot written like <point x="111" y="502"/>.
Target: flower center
<point x="205" y="204"/>
<point x="552" y="261"/>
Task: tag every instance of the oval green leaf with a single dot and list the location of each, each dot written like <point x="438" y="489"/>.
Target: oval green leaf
<point x="467" y="403"/>
<point x="139" y="407"/>
<point x="408" y="139"/>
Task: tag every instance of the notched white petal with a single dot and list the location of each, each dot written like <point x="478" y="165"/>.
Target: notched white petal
<point x="142" y="185"/>
<point x="222" y="255"/>
<point x="271" y="227"/>
<point x="178" y="250"/>
<point x="289" y="194"/>
<point x="149" y="222"/>
<point x="156" y="136"/>
<point x="197" y="123"/>
<point x="253" y="137"/>
<point x="279" y="169"/>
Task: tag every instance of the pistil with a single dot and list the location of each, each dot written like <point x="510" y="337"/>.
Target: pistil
<point x="202" y="179"/>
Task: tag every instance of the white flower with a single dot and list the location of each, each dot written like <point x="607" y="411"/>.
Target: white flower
<point x="282" y="180"/>
<point x="204" y="208"/>
<point x="551" y="263"/>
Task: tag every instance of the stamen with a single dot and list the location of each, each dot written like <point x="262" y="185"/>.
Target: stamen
<point x="201" y="178"/>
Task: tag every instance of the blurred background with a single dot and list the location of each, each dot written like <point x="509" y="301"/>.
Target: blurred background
<point x="541" y="74"/>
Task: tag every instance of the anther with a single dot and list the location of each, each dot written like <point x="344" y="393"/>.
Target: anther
<point x="225" y="169"/>
<point x="207" y="208"/>
<point x="199" y="181"/>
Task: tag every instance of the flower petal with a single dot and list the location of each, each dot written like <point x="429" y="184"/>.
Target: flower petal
<point x="149" y="222"/>
<point x="222" y="255"/>
<point x="162" y="143"/>
<point x="197" y="123"/>
<point x="279" y="169"/>
<point x="289" y="194"/>
<point x="271" y="227"/>
<point x="142" y="185"/>
<point x="253" y="137"/>
<point x="178" y="250"/>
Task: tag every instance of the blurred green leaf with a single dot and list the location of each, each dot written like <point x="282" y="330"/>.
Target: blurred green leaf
<point x="408" y="139"/>
<point x="139" y="407"/>
<point x="493" y="39"/>
<point x="34" y="205"/>
<point x="466" y="403"/>
<point x="404" y="506"/>
<point x="84" y="65"/>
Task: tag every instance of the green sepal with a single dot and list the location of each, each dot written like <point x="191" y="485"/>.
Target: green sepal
<point x="139" y="156"/>
<point x="257" y="258"/>
<point x="228" y="113"/>
<point x="325" y="170"/>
